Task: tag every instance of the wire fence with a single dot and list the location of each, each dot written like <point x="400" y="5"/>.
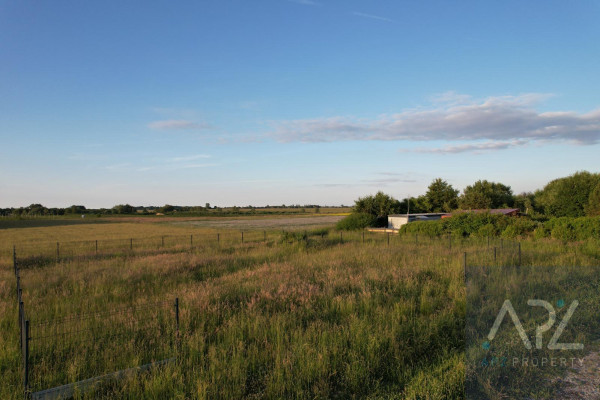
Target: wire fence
<point x="58" y="356"/>
<point x="87" y="346"/>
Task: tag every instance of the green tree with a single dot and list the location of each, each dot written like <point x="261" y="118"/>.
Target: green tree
<point x="569" y="196"/>
<point x="167" y="208"/>
<point x="485" y="195"/>
<point x="379" y="206"/>
<point x="441" y="196"/>
<point x="123" y="209"/>
<point x="525" y="202"/>
<point x="593" y="206"/>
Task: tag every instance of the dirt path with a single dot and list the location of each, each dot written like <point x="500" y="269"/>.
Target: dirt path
<point x="583" y="381"/>
<point x="286" y="222"/>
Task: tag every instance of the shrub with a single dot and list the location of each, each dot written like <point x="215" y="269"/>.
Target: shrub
<point x="540" y="232"/>
<point x="487" y="230"/>
<point x="356" y="221"/>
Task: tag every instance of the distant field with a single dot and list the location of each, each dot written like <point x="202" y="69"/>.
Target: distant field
<point x="282" y="222"/>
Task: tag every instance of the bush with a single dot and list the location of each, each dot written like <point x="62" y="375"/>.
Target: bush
<point x="356" y="221"/>
<point x="487" y="230"/>
<point x="540" y="232"/>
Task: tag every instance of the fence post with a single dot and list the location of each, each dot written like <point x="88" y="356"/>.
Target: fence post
<point x="264" y="236"/>
<point x="242" y="236"/>
<point x="177" y="320"/>
<point x="416" y="239"/>
<point x="131" y="244"/>
<point x="21" y="316"/>
<point x="388" y="239"/>
<point x="191" y="241"/>
<point x="363" y="236"/>
<point x="162" y="241"/>
<point x="341" y="237"/>
<point x="96" y="246"/>
<point x="26" y="358"/>
<point x="519" y="254"/>
<point x="57" y="251"/>
<point x="488" y="242"/>
<point x="218" y="237"/>
<point x="494" y="255"/>
<point x="15" y="258"/>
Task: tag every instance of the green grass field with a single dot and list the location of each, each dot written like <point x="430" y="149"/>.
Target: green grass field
<point x="295" y="316"/>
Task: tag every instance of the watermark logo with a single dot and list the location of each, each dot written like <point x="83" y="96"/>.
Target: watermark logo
<point x="507" y="308"/>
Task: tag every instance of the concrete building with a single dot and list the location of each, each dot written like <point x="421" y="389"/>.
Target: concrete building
<point x="395" y="221"/>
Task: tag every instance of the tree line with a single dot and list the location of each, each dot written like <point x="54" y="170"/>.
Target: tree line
<point x="577" y="195"/>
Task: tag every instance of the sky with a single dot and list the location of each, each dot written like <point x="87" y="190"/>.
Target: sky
<point x="271" y="102"/>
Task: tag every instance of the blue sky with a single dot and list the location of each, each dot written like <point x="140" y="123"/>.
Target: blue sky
<point x="291" y="102"/>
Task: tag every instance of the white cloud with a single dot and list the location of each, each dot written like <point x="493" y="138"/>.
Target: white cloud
<point x="453" y="118"/>
<point x="371" y="16"/>
<point x="305" y="2"/>
<point x="188" y="158"/>
<point x="470" y="147"/>
<point x="177" y="124"/>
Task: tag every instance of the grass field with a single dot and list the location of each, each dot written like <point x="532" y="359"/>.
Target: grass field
<point x="297" y="316"/>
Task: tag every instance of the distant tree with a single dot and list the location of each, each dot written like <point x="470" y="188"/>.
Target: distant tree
<point x="379" y="206"/>
<point x="37" y="209"/>
<point x="317" y="210"/>
<point x="592" y="208"/>
<point x="441" y="196"/>
<point x="207" y="206"/>
<point x="167" y="208"/>
<point x="123" y="209"/>
<point x="525" y="202"/>
<point x="76" y="210"/>
<point x="485" y="195"/>
<point x="569" y="196"/>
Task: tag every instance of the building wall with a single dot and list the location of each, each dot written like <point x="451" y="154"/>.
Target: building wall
<point x="396" y="222"/>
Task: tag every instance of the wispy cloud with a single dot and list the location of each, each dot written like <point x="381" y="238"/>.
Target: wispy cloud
<point x="305" y="2"/>
<point x="371" y="16"/>
<point x="177" y="124"/>
<point x="476" y="148"/>
<point x="188" y="158"/>
<point x="174" y="167"/>
<point x="453" y="118"/>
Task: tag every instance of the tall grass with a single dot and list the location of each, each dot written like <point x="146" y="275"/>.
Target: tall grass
<point x="313" y="316"/>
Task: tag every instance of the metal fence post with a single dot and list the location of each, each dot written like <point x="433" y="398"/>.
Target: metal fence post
<point x="388" y="239"/>
<point x="519" y="254"/>
<point x="26" y="358"/>
<point x="177" y="320"/>
<point x="15" y="258"/>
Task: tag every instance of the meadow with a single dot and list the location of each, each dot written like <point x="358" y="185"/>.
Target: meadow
<point x="307" y="314"/>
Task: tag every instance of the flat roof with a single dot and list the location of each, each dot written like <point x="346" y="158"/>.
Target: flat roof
<point x="418" y="215"/>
